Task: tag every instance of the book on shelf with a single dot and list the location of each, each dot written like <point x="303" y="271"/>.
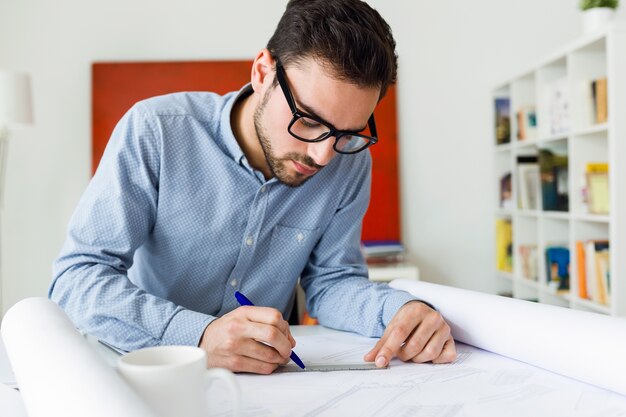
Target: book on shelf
<point x="528" y="182"/>
<point x="526" y="123"/>
<point x="581" y="270"/>
<point x="503" y="120"/>
<point x="554" y="180"/>
<point x="599" y="100"/>
<point x="382" y="251"/>
<point x="557" y="105"/>
<point x="528" y="262"/>
<point x="596" y="191"/>
<point x="594" y="275"/>
<point x="504" y="245"/>
<point x="557" y="268"/>
<point x="506" y="191"/>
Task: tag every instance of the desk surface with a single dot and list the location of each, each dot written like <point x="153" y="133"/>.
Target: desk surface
<point x="479" y="383"/>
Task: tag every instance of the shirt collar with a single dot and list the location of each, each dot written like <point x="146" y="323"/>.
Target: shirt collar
<point x="232" y="146"/>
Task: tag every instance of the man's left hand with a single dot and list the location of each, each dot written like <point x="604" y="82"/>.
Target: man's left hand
<point x="416" y="333"/>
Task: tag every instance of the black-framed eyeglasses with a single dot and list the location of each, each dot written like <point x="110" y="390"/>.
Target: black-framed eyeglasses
<point x="308" y="128"/>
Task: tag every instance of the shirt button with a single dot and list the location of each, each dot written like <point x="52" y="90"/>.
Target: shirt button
<point x="249" y="241"/>
<point x="233" y="282"/>
<point x="300" y="237"/>
<point x="263" y="189"/>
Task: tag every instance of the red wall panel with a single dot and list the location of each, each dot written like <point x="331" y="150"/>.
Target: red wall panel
<point x="117" y="86"/>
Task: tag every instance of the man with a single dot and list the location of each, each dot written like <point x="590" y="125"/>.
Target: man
<point x="200" y="195"/>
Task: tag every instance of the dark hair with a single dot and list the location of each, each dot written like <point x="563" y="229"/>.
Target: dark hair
<point x="348" y="36"/>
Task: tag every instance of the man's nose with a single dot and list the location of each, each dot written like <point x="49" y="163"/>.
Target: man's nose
<point x="322" y="152"/>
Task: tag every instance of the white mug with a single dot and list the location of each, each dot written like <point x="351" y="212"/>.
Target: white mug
<point x="173" y="380"/>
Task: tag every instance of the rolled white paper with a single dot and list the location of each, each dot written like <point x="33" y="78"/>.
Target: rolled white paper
<point x="58" y="373"/>
<point x="585" y="346"/>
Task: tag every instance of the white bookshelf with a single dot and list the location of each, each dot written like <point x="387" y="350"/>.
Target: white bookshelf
<point x="602" y="54"/>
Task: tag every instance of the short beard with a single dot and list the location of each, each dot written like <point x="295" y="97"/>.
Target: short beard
<point x="277" y="165"/>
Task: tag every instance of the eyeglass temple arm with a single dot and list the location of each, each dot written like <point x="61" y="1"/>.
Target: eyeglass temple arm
<point x="372" y="125"/>
<point x="280" y="74"/>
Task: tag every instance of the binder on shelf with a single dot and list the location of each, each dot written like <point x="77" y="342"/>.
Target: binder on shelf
<point x="528" y="182"/>
<point x="503" y="120"/>
<point x="557" y="268"/>
<point x="554" y="180"/>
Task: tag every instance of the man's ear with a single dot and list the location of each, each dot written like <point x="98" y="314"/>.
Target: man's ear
<point x="263" y="69"/>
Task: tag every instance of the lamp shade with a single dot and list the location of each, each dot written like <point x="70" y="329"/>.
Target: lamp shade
<point x="15" y="99"/>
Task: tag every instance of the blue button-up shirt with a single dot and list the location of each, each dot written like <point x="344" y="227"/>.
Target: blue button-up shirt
<point x="175" y="220"/>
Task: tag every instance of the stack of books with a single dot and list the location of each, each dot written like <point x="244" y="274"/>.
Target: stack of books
<point x="382" y="251"/>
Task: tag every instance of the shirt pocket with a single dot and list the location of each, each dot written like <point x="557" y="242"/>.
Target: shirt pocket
<point x="290" y="249"/>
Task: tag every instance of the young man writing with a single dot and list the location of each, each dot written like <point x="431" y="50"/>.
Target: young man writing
<point x="200" y="195"/>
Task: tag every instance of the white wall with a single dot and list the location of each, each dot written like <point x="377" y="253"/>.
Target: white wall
<point x="451" y="54"/>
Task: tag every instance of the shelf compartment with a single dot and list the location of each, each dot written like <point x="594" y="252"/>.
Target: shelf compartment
<point x="591" y="306"/>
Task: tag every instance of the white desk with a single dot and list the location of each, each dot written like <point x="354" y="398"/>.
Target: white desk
<point x="478" y="384"/>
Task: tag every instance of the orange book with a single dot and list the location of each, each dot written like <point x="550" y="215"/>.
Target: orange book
<point x="582" y="270"/>
<point x="308" y="320"/>
<point x="601" y="101"/>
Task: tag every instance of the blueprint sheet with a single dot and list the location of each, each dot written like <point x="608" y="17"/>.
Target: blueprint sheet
<point x="479" y="383"/>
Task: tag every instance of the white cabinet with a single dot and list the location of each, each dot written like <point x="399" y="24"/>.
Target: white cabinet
<point x="558" y="90"/>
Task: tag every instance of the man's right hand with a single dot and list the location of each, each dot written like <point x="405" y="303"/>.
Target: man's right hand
<point x="248" y="339"/>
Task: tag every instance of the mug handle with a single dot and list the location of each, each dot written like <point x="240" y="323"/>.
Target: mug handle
<point x="229" y="378"/>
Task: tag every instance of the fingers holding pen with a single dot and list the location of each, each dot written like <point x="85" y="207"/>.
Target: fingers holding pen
<point x="248" y="339"/>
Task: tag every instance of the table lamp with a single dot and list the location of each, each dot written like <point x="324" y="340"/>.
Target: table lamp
<point x="16" y="110"/>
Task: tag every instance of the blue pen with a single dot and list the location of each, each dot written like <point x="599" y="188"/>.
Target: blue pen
<point x="243" y="300"/>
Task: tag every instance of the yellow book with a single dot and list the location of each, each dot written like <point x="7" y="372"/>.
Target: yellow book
<point x="598" y="192"/>
<point x="597" y="167"/>
<point x="597" y="174"/>
<point x="504" y="243"/>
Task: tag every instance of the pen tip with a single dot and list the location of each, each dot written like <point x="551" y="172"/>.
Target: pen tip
<point x="297" y="360"/>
